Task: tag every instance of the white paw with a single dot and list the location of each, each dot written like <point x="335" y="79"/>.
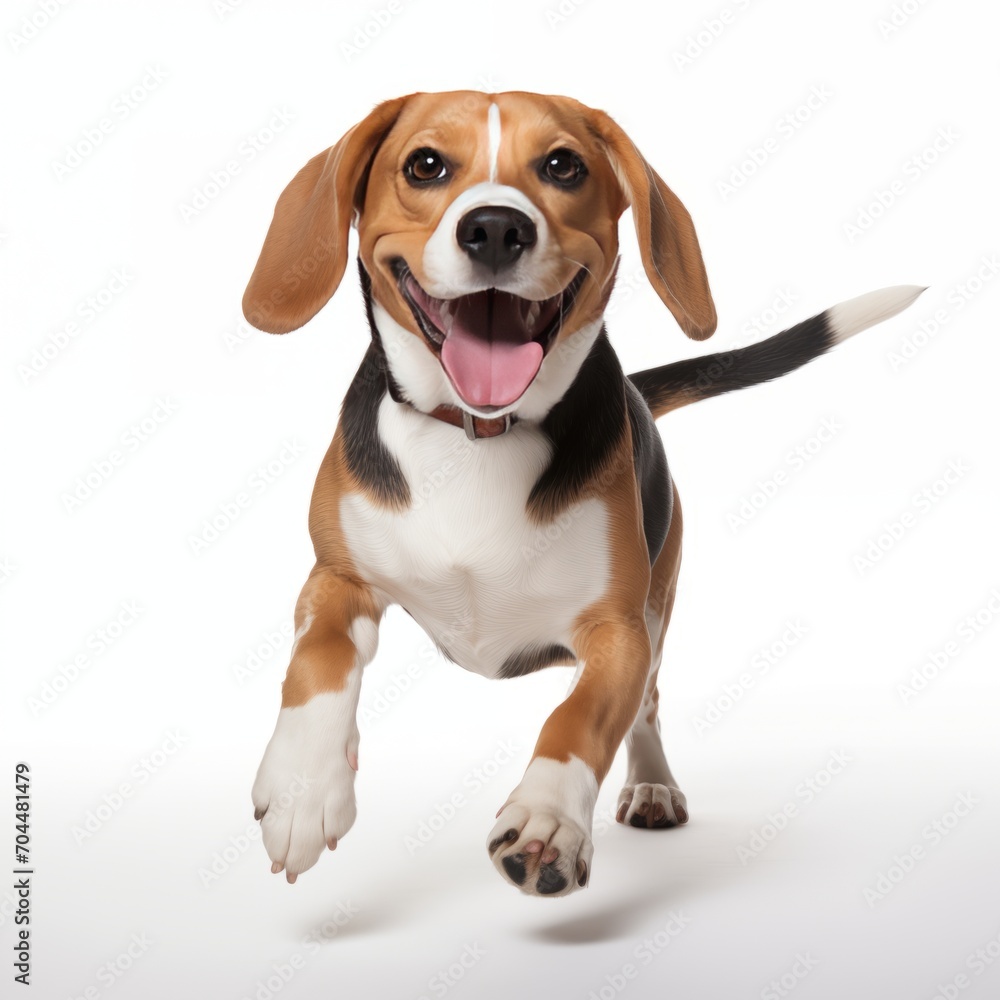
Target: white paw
<point x="541" y="841"/>
<point x="304" y="791"/>
<point x="652" y="806"/>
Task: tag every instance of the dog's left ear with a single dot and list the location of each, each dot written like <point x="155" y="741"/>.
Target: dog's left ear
<point x="667" y="240"/>
<point x="305" y="250"/>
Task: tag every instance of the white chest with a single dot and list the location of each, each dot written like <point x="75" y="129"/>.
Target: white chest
<point x="464" y="559"/>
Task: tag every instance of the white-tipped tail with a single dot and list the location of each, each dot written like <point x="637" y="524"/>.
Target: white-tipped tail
<point x="854" y="315"/>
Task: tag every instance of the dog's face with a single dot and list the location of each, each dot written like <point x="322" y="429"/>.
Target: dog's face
<point x="488" y="226"/>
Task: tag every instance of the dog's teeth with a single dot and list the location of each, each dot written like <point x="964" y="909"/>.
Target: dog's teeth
<point x="447" y="317"/>
<point x="533" y="313"/>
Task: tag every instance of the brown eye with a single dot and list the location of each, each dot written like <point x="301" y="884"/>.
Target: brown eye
<point x="424" y="166"/>
<point x="563" y="167"/>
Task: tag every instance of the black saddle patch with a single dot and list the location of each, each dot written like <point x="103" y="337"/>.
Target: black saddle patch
<point x="586" y="426"/>
<point x="651" y="471"/>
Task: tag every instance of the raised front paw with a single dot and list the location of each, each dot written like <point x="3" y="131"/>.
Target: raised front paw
<point x="543" y="854"/>
<point x="541" y="840"/>
<point x="652" y="806"/>
<point x="304" y="791"/>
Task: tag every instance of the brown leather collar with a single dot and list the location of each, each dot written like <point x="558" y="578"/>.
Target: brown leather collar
<point x="475" y="427"/>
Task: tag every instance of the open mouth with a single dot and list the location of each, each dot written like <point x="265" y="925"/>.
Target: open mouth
<point x="491" y="343"/>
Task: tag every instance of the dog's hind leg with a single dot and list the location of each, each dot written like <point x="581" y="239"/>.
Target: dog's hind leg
<point x="650" y="797"/>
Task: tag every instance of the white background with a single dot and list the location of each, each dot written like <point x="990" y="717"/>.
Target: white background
<point x="163" y="709"/>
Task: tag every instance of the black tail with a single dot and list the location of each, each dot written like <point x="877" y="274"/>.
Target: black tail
<point x="671" y="386"/>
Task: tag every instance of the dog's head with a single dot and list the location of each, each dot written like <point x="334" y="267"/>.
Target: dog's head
<point x="488" y="227"/>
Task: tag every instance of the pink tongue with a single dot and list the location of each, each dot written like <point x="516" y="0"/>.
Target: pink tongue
<point x="488" y="353"/>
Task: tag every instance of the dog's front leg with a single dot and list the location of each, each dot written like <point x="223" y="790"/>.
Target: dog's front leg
<point x="304" y="792"/>
<point x="541" y="841"/>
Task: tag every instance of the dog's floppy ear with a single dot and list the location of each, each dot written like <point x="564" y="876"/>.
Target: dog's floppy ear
<point x="667" y="240"/>
<point x="305" y="250"/>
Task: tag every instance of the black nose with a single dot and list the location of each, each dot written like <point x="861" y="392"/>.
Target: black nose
<point x="496" y="235"/>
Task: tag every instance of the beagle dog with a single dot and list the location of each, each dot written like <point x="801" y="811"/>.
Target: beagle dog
<point x="494" y="471"/>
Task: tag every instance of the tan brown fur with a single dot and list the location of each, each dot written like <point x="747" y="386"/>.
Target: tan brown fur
<point x="611" y="639"/>
<point x="305" y="251"/>
<point x="334" y="595"/>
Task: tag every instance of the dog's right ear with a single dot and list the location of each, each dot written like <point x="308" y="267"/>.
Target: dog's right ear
<point x="305" y="251"/>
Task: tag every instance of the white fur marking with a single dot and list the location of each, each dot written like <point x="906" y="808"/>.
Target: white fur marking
<point x="493" y="129"/>
<point x="568" y="787"/>
<point x="448" y="272"/>
<point x="306" y="625"/>
<point x="854" y="315"/>
<point x="305" y="781"/>
<point x="363" y="632"/>
<point x="465" y="560"/>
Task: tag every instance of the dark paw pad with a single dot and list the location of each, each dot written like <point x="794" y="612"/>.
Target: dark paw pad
<point x="550" y="880"/>
<point x="514" y="866"/>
